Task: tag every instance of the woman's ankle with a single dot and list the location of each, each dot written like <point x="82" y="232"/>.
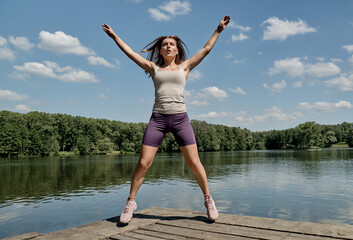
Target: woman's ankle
<point x="207" y="195"/>
<point x="131" y="198"/>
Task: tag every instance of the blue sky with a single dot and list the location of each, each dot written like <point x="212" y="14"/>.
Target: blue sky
<point x="278" y="63"/>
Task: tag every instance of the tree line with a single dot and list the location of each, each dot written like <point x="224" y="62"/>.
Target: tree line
<point x="43" y="134"/>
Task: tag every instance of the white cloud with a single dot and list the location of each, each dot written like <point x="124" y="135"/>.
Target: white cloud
<point x="237" y="90"/>
<point x="336" y="60"/>
<point x="12" y="96"/>
<point x="213" y="93"/>
<point x="228" y="55"/>
<point x="195" y="75"/>
<point x="6" y="54"/>
<point x="95" y="60"/>
<point x="213" y="115"/>
<point x="349" y="48"/>
<point x="236" y="61"/>
<point x="321" y="69"/>
<point x="234" y="25"/>
<point x="35" y="68"/>
<point x="22" y="108"/>
<point x="343" y="82"/>
<point x="325" y="106"/>
<point x="158" y="15"/>
<point x="101" y="97"/>
<point x="350" y="59"/>
<point x="240" y="37"/>
<point x="274" y="114"/>
<point x="295" y="67"/>
<point x="21" y="42"/>
<point x="3" y="41"/>
<point x="78" y="76"/>
<point x="198" y="103"/>
<point x="146" y="101"/>
<point x="169" y="10"/>
<point x="259" y="53"/>
<point x="54" y="66"/>
<point x="298" y="84"/>
<point x="176" y="7"/>
<point x="276" y="87"/>
<point x="117" y="62"/>
<point x="53" y="70"/>
<point x="278" y="29"/>
<point x="201" y="98"/>
<point x="320" y="59"/>
<point x="61" y="43"/>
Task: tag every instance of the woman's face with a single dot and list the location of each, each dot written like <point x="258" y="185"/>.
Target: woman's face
<point x="169" y="48"/>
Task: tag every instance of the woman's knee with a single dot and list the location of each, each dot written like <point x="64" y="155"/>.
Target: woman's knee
<point x="144" y="163"/>
<point x="146" y="157"/>
<point x="194" y="164"/>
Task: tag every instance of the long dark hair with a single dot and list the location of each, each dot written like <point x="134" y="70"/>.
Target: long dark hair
<point x="155" y="46"/>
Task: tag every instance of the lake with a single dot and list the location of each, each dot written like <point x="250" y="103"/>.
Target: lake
<point x="51" y="193"/>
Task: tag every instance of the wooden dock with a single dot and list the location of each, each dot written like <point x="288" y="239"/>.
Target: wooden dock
<point x="166" y="223"/>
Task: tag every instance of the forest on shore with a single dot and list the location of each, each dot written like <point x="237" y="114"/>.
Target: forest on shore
<point x="44" y="134"/>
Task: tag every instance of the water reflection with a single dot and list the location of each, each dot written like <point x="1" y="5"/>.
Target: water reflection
<point x="294" y="185"/>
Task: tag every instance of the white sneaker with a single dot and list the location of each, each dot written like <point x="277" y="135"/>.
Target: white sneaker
<point x="129" y="209"/>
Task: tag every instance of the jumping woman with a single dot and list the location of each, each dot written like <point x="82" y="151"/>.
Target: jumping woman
<point x="169" y="69"/>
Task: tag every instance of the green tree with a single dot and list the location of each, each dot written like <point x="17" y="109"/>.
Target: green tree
<point x="105" y="145"/>
<point x="329" y="138"/>
<point x="84" y="145"/>
<point x="349" y="138"/>
<point x="206" y="136"/>
<point x="308" y="135"/>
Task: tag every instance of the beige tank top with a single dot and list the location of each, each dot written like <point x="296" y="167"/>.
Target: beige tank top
<point x="169" y="91"/>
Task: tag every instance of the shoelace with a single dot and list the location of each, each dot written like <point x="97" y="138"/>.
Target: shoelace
<point x="126" y="209"/>
<point x="209" y="204"/>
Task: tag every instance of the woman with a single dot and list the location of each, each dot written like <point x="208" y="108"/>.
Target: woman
<point x="169" y="69"/>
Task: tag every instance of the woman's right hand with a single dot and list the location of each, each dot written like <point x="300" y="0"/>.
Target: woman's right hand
<point x="108" y="30"/>
<point x="223" y="24"/>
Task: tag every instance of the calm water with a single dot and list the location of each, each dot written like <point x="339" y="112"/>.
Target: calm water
<point x="49" y="194"/>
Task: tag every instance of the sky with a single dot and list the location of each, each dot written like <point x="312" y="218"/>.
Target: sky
<point x="277" y="64"/>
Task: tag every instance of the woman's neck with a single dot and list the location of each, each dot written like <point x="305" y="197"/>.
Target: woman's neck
<point x="169" y="63"/>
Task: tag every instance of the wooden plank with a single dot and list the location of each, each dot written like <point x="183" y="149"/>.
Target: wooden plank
<point x="24" y="236"/>
<point x="164" y="223"/>
<point x="159" y="234"/>
<point x="100" y="229"/>
<point x="140" y="236"/>
<point x="340" y="231"/>
<point x="225" y="229"/>
<point x="238" y="230"/>
<point x="343" y="231"/>
<point x="190" y="233"/>
<point x="72" y="234"/>
<point x="121" y="237"/>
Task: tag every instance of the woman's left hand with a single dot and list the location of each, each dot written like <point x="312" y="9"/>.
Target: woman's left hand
<point x="223" y="24"/>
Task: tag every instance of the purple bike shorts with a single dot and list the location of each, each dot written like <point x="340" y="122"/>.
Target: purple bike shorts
<point x="160" y="124"/>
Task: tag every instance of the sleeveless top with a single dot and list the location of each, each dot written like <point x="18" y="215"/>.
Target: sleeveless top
<point x="169" y="91"/>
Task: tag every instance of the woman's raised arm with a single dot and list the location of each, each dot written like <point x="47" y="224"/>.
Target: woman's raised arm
<point x="137" y="58"/>
<point x="191" y="63"/>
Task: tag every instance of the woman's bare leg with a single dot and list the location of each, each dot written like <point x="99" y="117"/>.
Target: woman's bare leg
<point x="191" y="156"/>
<point x="146" y="158"/>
